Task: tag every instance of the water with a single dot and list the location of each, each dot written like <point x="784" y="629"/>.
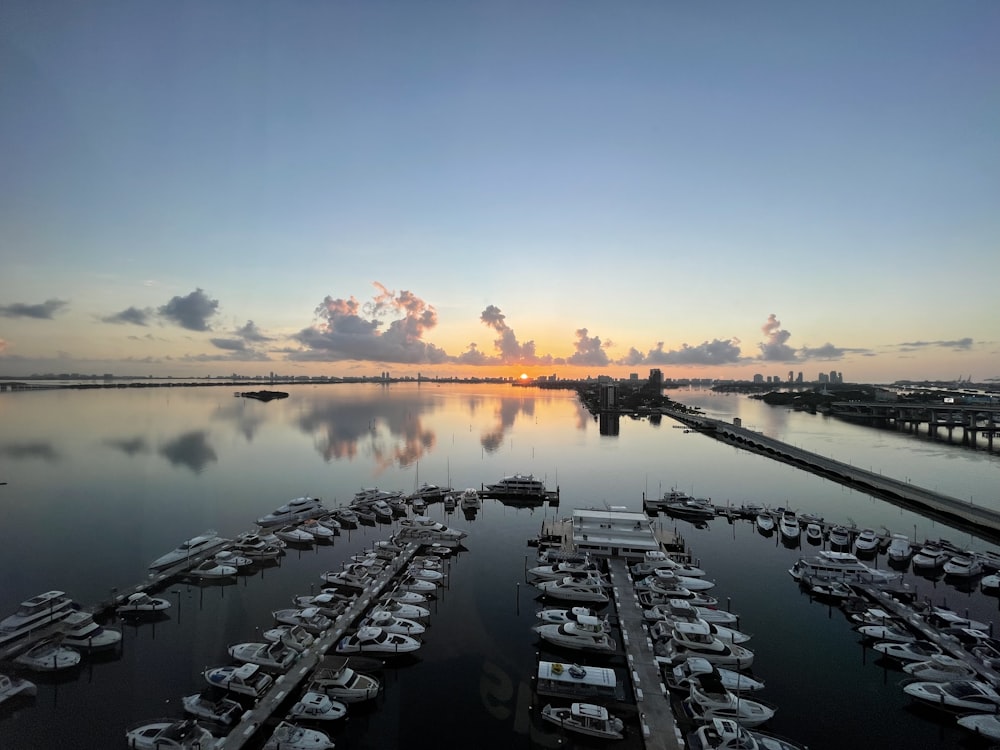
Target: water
<point x="102" y="482"/>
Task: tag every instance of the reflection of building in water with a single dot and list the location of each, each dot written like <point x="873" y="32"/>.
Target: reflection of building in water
<point x="608" y="422"/>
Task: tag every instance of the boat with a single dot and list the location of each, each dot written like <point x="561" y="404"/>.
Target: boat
<point x="671" y="578"/>
<point x="942" y="668"/>
<point x="814" y="533"/>
<point x="649" y="598"/>
<point x="317" y="706"/>
<point x="866" y="543"/>
<point x="418" y="504"/>
<point x="141" y="603"/>
<point x="80" y="631"/>
<point x="919" y="650"/>
<point x="664" y="629"/>
<point x="709" y="699"/>
<point x="206" y="706"/>
<point x="212" y="569"/>
<point x="586" y="718"/>
<point x="577" y="681"/>
<point x="163" y="734"/>
<point x="11" y="687"/>
<point x="294" y="535"/>
<point x="369" y="495"/>
<point x="429" y="527"/>
<point x="564" y="615"/>
<point x="764" y="522"/>
<point x="355" y="577"/>
<point x="405" y="597"/>
<point x="983" y="725"/>
<point x="826" y="589"/>
<point x="290" y="736"/>
<point x="726" y="734"/>
<point x="341" y="682"/>
<point x="655" y="559"/>
<point x="900" y="551"/>
<point x="382" y="510"/>
<point x="274" y="656"/>
<point x="897" y="633"/>
<point x="319" y="531"/>
<point x="990" y="584"/>
<point x="840" y="566"/>
<point x="387" y="621"/>
<point x="423" y="572"/>
<point x="688" y="508"/>
<point x="309" y="619"/>
<point x="682" y="674"/>
<point x="329" y="602"/>
<point x="245" y="679"/>
<point x="346" y="516"/>
<point x="469" y="499"/>
<point x="788" y="525"/>
<point x="694" y="639"/>
<point x="34" y="613"/>
<point x="575" y="589"/>
<point x="561" y="569"/>
<point x="429" y="493"/>
<point x="839" y="536"/>
<point x="957" y="695"/>
<point x="376" y="640"/>
<point x="420" y="586"/>
<point x="48" y="656"/>
<point x="293" y="636"/>
<point x="963" y="566"/>
<point x="675" y="607"/>
<point x="233" y="558"/>
<point x="930" y="557"/>
<point x="193" y="547"/>
<point x="401" y="609"/>
<point x="293" y="511"/>
<point x="942" y="617"/>
<point x="585" y="633"/>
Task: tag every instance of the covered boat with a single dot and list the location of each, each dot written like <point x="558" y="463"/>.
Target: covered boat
<point x="317" y="706"/>
<point x="586" y="718"/>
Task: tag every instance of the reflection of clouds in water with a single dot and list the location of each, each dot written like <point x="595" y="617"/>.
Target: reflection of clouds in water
<point x="191" y="450"/>
<point x="506" y="413"/>
<point x="129" y="446"/>
<point x="42" y="449"/>
<point x="247" y="415"/>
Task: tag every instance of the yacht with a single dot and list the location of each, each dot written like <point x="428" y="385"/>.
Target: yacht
<point x="655" y="559"/>
<point x="10" y="687"/>
<point x="695" y="667"/>
<point x="688" y="508"/>
<point x="290" y="736"/>
<point x="523" y="485"/>
<point x="339" y="681"/>
<point x="764" y="522"/>
<point x="370" y="639"/>
<point x="561" y="569"/>
<point x="957" y="695"/>
<point x="316" y="706"/>
<point x="918" y="650"/>
<point x="346" y="516"/>
<point x="585" y="633"/>
<point x="48" y="656"/>
<point x="170" y="733"/>
<point x="35" y="612"/>
<point x="320" y="532"/>
<point x="293" y="636"/>
<point x="694" y="639"/>
<point x="469" y="499"/>
<point x="185" y="551"/>
<point x="564" y="615"/>
<point x="390" y="623"/>
<point x="672" y="579"/>
<point x="726" y="734"/>
<point x="141" y="603"/>
<point x="80" y="631"/>
<point x="674" y="608"/>
<point x="840" y="536"/>
<point x="866" y="543"/>
<point x="410" y="528"/>
<point x="212" y="569"/>
<point x="330" y="603"/>
<point x="245" y="679"/>
<point x="310" y="619"/>
<point x="255" y="547"/>
<point x="575" y="589"/>
<point x="275" y="656"/>
<point x="293" y="511"/>
<point x="586" y="718"/>
<point x="981" y="724"/>
<point x="963" y="566"/>
<point x="899" y="551"/>
<point x="814" y="533"/>
<point x="220" y="710"/>
<point x="942" y="668"/>
<point x="843" y="566"/>
<point x="709" y="699"/>
<point x="664" y="629"/>
<point x="788" y="525"/>
<point x="429" y="493"/>
<point x="931" y="556"/>
<point x="233" y="559"/>
<point x="295" y="535"/>
<point x="401" y="609"/>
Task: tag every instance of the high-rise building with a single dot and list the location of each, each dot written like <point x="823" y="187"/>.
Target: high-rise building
<point x="608" y="397"/>
<point x="656" y="378"/>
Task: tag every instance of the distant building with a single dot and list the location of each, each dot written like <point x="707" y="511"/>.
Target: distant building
<point x="798" y="378"/>
<point x="758" y="378"/>
<point x="656" y="378"/>
<point x="608" y="399"/>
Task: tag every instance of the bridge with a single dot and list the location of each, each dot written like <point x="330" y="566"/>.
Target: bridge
<point x="972" y="419"/>
<point x="975" y="519"/>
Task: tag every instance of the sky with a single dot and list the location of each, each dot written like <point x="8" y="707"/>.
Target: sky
<point x="488" y="188"/>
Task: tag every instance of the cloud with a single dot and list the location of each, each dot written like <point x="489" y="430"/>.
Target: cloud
<point x="233" y="345"/>
<point x="250" y="332"/>
<point x="132" y="315"/>
<point x="957" y="345"/>
<point x="509" y="350"/>
<point x="714" y="352"/>
<point x="44" y="311"/>
<point x="589" y="351"/>
<point x="346" y="330"/>
<point x="774" y="348"/>
<point x="191" y="312"/>
<point x="829" y="351"/>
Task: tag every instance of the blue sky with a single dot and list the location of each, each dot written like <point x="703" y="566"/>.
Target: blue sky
<point x="495" y="188"/>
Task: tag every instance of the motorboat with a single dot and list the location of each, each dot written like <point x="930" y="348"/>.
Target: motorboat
<point x="317" y="706"/>
<point x="309" y="619"/>
<point x="11" y="687"/>
<point x="575" y="590"/>
<point x="418" y="504"/>
<point x="942" y="617"/>
<point x="919" y="650"/>
<point x="245" y="679"/>
<point x="404" y="597"/>
<point x="900" y="551"/>
<point x="866" y="543"/>
<point x="990" y="584"/>
<point x="963" y="566"/>
<point x="48" y="656"/>
<point x="330" y="603"/>
<point x="874" y="616"/>
<point x="382" y="510"/>
<point x="726" y="734"/>
<point x="890" y="632"/>
<point x="561" y="569"/>
<point x="586" y="718"/>
<point x="985" y="725"/>
<point x="424" y="573"/>
<point x="518" y="485"/>
<point x="839" y="536"/>
<point x="206" y="706"/>
<point x="233" y="558"/>
<point x="764" y="522"/>
<point x="694" y="639"/>
<point x="942" y="668"/>
<point x="274" y="656"/>
<point x="294" y="535"/>
<point x="320" y="532"/>
<point x="380" y="618"/>
<point x="585" y="633"/>
<point x="79" y="630"/>
<point x="957" y="695"/>
<point x="664" y="629"/>
<point x="688" y="508"/>
<point x="400" y="609"/>
<point x="293" y="511"/>
<point x="211" y="569"/>
<point x="675" y="607"/>
<point x="670" y="577"/>
<point x="665" y="587"/>
<point x="290" y="736"/>
<point x="840" y="566"/>
<point x="420" y="586"/>
<point x="355" y="577"/>
<point x="930" y="557"/>
<point x="826" y="589"/>
<point x="344" y="684"/>
<point x="788" y="526"/>
<point x="709" y="699"/>
<point x="564" y="615"/>
<point x="255" y="547"/>
<point x="468" y="499"/>
<point x="694" y="668"/>
<point x="293" y="636"/>
<point x="348" y="517"/>
<point x="141" y="603"/>
<point x="193" y="547"/>
<point x="371" y="639"/>
<point x="429" y="493"/>
<point x="34" y="613"/>
<point x="655" y="559"/>
<point x="369" y="495"/>
<point x="163" y="734"/>
<point x="330" y="522"/>
<point x="426" y="524"/>
<point x="649" y="598"/>
<point x="814" y="533"/>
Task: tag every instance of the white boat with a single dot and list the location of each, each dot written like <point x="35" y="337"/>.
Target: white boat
<point x="963" y="566"/>
<point x="695" y="509"/>
<point x="369" y="495"/>
<point x="212" y="569"/>
<point x="346" y="516"/>
<point x="518" y="485"/>
<point x="930" y="557"/>
<point x="294" y="535"/>
<point x="564" y="615"/>
<point x="827" y="589"/>
<point x="469" y="499"/>
<point x="649" y="599"/>
<point x="289" y="736"/>
<point x="726" y="734"/>
<point x="380" y="618"/>
<point x="330" y="603"/>
<point x="293" y="511"/>
<point x="418" y="504"/>
<point x="957" y="695"/>
<point x="895" y="633"/>
<point x="409" y="583"/>
<point x="664" y="629"/>
<point x="245" y="679"/>
<point x="839" y="536"/>
<point x="788" y="525"/>
<point x="900" y="550"/>
<point x="34" y="613"/>
<point x="401" y="609"/>
<point x="575" y="590"/>
<point x="673" y="608"/>
<point x="310" y="619"/>
<point x="274" y="656"/>
<point x="355" y="578"/>
<point x="585" y="633"/>
<point x="376" y="640"/>
<point x="586" y="718"/>
<point x="48" y="656"/>
<point x="665" y="588"/>
<point x="316" y="706"/>
<point x="205" y="706"/>
<point x="694" y="639"/>
<point x="561" y="569"/>
<point x="919" y="650"/>
<point x="344" y="684"/>
<point x="165" y="734"/>
<point x="11" y="687"/>
<point x="233" y="559"/>
<point x="942" y="617"/>
<point x="814" y="533"/>
<point x="193" y="547"/>
<point x="764" y="522"/>
<point x="709" y="699"/>
<point x="80" y="631"/>
<point x="424" y="573"/>
<point x="942" y="668"/>
<point x="293" y="636"/>
<point x="671" y="578"/>
<point x="694" y="668"/>
<point x="429" y="526"/>
<point x="655" y="559"/>
<point x="382" y="510"/>
<point x="256" y="547"/>
<point x="142" y="603"/>
<point x="982" y="725"/>
<point x="320" y="532"/>
<point x="990" y="584"/>
<point x="840" y="566"/>
<point x="866" y="542"/>
<point x="429" y="493"/>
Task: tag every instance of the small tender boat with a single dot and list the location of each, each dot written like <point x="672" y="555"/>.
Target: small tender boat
<point x="957" y="695"/>
<point x="185" y="551"/>
<point x="695" y="667"/>
<point x="48" y="656"/>
<point x="275" y="656"/>
<point x="142" y="603"/>
<point x="293" y="636"/>
<point x="11" y="687"/>
<point x="245" y="679"/>
<point x="942" y="668"/>
<point x="206" y="706"/>
<point x="162" y="734"/>
<point x="726" y="734"/>
<point x="289" y="736"/>
<point x="586" y="718"/>
<point x="316" y="706"/>
<point x="585" y="633"/>
<point x="376" y="640"/>
<point x="309" y="619"/>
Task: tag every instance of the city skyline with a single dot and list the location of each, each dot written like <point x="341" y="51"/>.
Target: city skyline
<point x="495" y="189"/>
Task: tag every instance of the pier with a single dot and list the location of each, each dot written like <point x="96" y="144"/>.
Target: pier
<point x="966" y="515"/>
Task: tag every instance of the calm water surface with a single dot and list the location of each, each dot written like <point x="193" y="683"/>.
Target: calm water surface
<point x="101" y="482"/>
